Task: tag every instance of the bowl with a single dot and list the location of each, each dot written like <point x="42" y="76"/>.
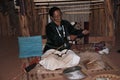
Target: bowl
<point x="74" y="73"/>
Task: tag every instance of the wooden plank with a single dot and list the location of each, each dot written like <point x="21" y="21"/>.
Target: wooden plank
<point x="1" y="24"/>
<point x="38" y="25"/>
<point x="102" y="22"/>
<point x="109" y="17"/>
<point x="95" y="22"/>
<point x="23" y="26"/>
<point x="29" y="14"/>
<point x="23" y="19"/>
<point x="4" y="26"/>
<point x="108" y="39"/>
<point x="9" y="27"/>
<point x="44" y="21"/>
<point x="34" y="17"/>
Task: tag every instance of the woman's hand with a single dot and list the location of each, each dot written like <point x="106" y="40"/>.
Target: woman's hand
<point x="85" y="32"/>
<point x="73" y="37"/>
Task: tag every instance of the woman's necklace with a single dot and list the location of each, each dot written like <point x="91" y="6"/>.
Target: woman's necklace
<point x="61" y="28"/>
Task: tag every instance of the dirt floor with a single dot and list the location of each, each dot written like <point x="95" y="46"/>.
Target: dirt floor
<point x="10" y="64"/>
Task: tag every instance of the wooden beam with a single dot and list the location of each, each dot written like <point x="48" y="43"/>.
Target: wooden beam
<point x="97" y="39"/>
<point x="109" y="17"/>
<point x="58" y="3"/>
<point x="23" y="26"/>
<point x="70" y="6"/>
<point x="78" y="12"/>
<point x="23" y="19"/>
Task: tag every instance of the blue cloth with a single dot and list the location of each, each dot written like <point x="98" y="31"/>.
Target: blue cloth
<point x="30" y="46"/>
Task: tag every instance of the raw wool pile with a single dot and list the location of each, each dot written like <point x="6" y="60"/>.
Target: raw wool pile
<point x="92" y="60"/>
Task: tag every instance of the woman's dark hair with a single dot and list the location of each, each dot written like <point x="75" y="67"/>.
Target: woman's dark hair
<point x="52" y="10"/>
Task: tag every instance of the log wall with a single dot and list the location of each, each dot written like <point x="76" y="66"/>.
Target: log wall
<point x="9" y="24"/>
<point x="33" y="22"/>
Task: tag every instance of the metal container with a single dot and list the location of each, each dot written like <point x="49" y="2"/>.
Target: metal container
<point x="74" y="73"/>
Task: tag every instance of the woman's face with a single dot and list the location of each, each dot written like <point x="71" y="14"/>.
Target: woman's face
<point x="57" y="16"/>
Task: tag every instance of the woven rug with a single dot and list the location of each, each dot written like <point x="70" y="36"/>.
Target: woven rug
<point x="110" y="71"/>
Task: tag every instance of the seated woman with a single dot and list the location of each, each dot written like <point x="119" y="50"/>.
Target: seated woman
<point x="58" y="33"/>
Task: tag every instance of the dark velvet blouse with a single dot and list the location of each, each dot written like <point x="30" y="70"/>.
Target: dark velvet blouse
<point x="57" y="38"/>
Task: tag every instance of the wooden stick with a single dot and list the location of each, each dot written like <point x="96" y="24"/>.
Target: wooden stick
<point x="70" y="6"/>
<point x="64" y="3"/>
<point x="87" y="12"/>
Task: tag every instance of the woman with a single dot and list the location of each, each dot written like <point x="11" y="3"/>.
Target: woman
<point x="57" y="53"/>
<point x="59" y="31"/>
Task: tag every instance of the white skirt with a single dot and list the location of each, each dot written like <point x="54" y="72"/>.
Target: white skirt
<point x="53" y="59"/>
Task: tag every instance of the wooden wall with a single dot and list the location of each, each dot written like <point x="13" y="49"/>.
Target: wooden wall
<point x="9" y="24"/>
<point x="33" y="22"/>
<point x="117" y="20"/>
<point x="100" y="19"/>
<point x="102" y="23"/>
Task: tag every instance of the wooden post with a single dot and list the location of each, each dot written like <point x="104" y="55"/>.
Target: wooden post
<point x="23" y="25"/>
<point x="86" y="38"/>
<point x="27" y="18"/>
<point x="31" y="16"/>
<point x="23" y="19"/>
<point x="109" y="17"/>
<point x="44" y="19"/>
